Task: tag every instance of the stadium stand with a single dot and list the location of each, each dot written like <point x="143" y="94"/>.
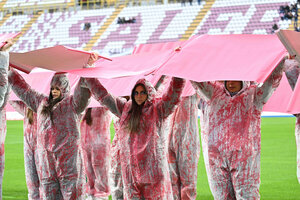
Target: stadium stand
<point x="31" y="3"/>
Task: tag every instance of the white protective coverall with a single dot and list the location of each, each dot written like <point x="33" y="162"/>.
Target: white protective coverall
<point x="143" y="155"/>
<point x="30" y="150"/>
<point x="57" y="135"/>
<point x="116" y="182"/>
<point x="184" y="148"/>
<point x="230" y="136"/>
<point x="95" y="143"/>
<point x="292" y="71"/>
<point x="4" y="93"/>
<point x="184" y="144"/>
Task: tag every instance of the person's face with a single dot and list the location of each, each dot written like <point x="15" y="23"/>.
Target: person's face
<point x="140" y="95"/>
<point x="55" y="91"/>
<point x="234" y="86"/>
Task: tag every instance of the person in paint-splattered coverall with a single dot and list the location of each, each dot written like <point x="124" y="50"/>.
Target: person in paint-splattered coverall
<point x="115" y="182"/>
<point x="141" y="138"/>
<point x="58" y="118"/>
<point x="95" y="143"/>
<point x="30" y="154"/>
<point x="4" y="93"/>
<point x="184" y="148"/>
<point x="292" y="71"/>
<point x="2" y="137"/>
<point x="183" y="145"/>
<point x="231" y="134"/>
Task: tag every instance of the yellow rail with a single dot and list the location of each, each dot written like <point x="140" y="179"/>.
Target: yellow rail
<point x="3" y="20"/>
<point x="190" y="30"/>
<point x="27" y="26"/>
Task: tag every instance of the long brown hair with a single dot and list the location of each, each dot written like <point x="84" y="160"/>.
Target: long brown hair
<point x="29" y="115"/>
<point x="135" y="112"/>
<point x="47" y="109"/>
<point x="88" y="117"/>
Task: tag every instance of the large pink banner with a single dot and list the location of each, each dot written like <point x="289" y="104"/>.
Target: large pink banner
<point x="130" y="65"/>
<point x="280" y="99"/>
<point x="166" y="46"/>
<point x="57" y="58"/>
<point x="162" y="47"/>
<point x="204" y="58"/>
<point x="226" y="57"/>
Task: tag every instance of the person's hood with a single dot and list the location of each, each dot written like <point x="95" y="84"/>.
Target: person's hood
<point x="61" y="81"/>
<point x="245" y="85"/>
<point x="149" y="89"/>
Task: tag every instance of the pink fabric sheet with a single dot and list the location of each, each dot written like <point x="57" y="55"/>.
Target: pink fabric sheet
<point x="57" y="58"/>
<point x="226" y="57"/>
<point x="142" y="48"/>
<point x="280" y="99"/>
<point x="130" y="65"/>
<point x="202" y="58"/>
<point x="161" y="47"/>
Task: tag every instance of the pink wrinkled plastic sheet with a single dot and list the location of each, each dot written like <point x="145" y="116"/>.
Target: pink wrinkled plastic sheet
<point x="226" y="57"/>
<point x="280" y="99"/>
<point x="57" y="58"/>
<point x="202" y="58"/>
<point x="161" y="47"/>
<point x="130" y="65"/>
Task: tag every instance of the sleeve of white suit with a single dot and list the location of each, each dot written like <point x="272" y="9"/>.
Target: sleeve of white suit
<point x="4" y="61"/>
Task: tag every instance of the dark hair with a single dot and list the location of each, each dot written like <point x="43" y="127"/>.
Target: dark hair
<point x="135" y="112"/>
<point x="29" y="115"/>
<point x="47" y="109"/>
<point x="88" y="117"/>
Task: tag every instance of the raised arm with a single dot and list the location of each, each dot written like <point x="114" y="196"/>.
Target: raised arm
<point x="292" y="70"/>
<point x="4" y="58"/>
<point x="265" y="91"/>
<point x="81" y="96"/>
<point x="114" y="104"/>
<point x="171" y="98"/>
<point x="29" y="96"/>
<point x="6" y="97"/>
<point x="204" y="89"/>
<point x="161" y="83"/>
<point x="19" y="106"/>
<point x="4" y="62"/>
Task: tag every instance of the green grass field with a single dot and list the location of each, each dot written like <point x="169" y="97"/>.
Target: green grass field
<point x="278" y="162"/>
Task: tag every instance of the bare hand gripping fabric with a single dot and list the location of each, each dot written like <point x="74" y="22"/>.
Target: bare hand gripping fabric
<point x="57" y="135"/>
<point x="231" y="136"/>
<point x="30" y="150"/>
<point x="143" y="155"/>
<point x="292" y="71"/>
<point x="95" y="143"/>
